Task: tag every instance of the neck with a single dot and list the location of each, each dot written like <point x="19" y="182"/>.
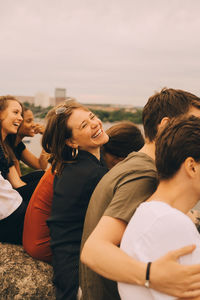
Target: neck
<point x="176" y="192"/>
<point x="149" y="149"/>
<point x="96" y="153"/>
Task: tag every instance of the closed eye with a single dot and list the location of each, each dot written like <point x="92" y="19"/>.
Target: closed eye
<point x="92" y="116"/>
<point x="84" y="125"/>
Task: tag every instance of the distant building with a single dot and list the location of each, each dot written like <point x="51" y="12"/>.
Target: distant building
<point x="42" y="99"/>
<point x="60" y="95"/>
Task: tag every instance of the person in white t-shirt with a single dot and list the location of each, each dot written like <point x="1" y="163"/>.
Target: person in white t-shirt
<point x="160" y="224"/>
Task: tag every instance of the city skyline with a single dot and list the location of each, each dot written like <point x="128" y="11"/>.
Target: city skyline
<point x="108" y="51"/>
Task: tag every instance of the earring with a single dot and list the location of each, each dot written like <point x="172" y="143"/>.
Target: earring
<point x="74" y="153"/>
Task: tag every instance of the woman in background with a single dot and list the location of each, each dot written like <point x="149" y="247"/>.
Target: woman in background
<point x="124" y="137"/>
<point x="29" y="128"/>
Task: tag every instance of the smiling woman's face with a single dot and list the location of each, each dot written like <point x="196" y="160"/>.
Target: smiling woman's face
<point x="11" y="118"/>
<point x="27" y="126"/>
<point x="87" y="131"/>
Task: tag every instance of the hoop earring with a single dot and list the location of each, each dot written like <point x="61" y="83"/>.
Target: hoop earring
<point x="74" y="153"/>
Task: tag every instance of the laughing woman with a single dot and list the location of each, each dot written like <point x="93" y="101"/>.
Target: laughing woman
<point x="11" y="116"/>
<point x="73" y="136"/>
<point x="12" y="206"/>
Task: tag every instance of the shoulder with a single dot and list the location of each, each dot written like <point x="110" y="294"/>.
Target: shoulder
<point x="19" y="149"/>
<point x="157" y="228"/>
<point x="136" y="165"/>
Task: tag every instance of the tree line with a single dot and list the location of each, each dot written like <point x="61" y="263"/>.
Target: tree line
<point x="105" y="116"/>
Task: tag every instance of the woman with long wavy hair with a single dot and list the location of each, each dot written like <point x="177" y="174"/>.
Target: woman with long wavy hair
<point x="73" y="136"/>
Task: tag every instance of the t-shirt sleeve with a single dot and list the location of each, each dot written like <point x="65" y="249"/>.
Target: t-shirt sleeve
<point x="129" y="195"/>
<point x="19" y="149"/>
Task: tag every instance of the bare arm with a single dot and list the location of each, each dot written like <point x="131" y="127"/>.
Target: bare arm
<point x="14" y="178"/>
<point x="167" y="275"/>
<point x="32" y="161"/>
<point x="116" y="264"/>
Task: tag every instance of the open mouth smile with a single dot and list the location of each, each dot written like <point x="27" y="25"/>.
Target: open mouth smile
<point x="97" y="134"/>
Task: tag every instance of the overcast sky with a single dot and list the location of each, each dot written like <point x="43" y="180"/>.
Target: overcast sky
<point x="101" y="51"/>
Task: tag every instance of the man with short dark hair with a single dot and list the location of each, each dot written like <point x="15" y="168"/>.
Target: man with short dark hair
<point x="115" y="200"/>
<point x="160" y="224"/>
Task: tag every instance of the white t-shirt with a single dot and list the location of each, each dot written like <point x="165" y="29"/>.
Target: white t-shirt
<point x="10" y="199"/>
<point x="155" y="229"/>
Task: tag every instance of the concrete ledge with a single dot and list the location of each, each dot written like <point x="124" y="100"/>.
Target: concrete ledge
<point x="22" y="277"/>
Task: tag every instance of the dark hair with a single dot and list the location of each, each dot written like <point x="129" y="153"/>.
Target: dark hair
<point x="168" y="103"/>
<point x="4" y="102"/>
<point x="56" y="133"/>
<point x="179" y="139"/>
<point x="26" y="108"/>
<point x="124" y="138"/>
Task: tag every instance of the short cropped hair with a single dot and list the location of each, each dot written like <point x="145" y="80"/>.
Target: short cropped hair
<point x="167" y="103"/>
<point x="179" y="139"/>
<point x="124" y="137"/>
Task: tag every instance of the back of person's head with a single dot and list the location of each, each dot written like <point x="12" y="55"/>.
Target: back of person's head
<point x="57" y="132"/>
<point x="124" y="138"/>
<point x="167" y="103"/>
<point x="179" y="139"/>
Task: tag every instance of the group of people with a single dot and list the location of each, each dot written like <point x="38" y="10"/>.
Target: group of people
<point x="112" y="206"/>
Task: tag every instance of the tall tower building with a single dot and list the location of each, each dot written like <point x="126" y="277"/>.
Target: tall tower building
<point x="60" y="95"/>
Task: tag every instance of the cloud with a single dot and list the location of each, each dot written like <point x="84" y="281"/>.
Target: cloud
<point x="101" y="50"/>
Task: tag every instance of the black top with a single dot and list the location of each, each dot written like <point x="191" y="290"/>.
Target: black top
<point x="4" y="165"/>
<point x="72" y="192"/>
<point x="19" y="149"/>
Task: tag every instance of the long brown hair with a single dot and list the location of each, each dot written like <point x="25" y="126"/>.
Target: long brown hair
<point x="6" y="146"/>
<point x="57" y="132"/>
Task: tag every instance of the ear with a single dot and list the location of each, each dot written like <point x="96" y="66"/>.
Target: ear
<point x="163" y="123"/>
<point x="71" y="143"/>
<point x="190" y="167"/>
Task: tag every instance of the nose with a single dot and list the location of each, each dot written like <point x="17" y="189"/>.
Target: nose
<point x="20" y="117"/>
<point x="94" y="123"/>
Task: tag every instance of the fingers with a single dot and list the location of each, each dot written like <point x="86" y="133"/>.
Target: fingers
<point x="39" y="128"/>
<point x="194" y="282"/>
<point x="181" y="251"/>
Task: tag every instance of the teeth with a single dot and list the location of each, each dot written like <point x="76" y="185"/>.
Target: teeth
<point x="98" y="132"/>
